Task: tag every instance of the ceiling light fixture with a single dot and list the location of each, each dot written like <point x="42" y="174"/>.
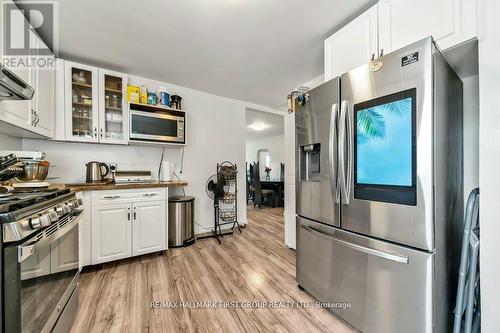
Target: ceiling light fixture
<point x="258" y="126"/>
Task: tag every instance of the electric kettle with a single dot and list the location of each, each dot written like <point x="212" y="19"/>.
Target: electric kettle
<point x="95" y="173"/>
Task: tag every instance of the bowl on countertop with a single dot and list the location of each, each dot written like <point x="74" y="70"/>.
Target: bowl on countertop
<point x="34" y="171"/>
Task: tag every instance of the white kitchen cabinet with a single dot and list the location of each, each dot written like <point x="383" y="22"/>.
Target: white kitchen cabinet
<point x="95" y="106"/>
<point x="43" y="102"/>
<point x="16" y="113"/>
<point x="81" y="102"/>
<point x="126" y="223"/>
<point x="148" y="227"/>
<point x="111" y="232"/>
<point x="59" y="105"/>
<point x="402" y="22"/>
<point x="33" y="118"/>
<point x="353" y="45"/>
<point x="113" y="114"/>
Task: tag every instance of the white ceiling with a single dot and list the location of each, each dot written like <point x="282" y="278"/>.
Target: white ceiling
<point x="268" y="125"/>
<point x="252" y="50"/>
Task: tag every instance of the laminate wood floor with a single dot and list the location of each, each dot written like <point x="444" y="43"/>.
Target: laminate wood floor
<point x="255" y="266"/>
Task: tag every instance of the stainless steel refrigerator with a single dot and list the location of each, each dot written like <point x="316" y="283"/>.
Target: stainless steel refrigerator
<point x="380" y="191"/>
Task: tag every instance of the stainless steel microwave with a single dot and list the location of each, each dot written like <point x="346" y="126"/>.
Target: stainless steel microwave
<point x="157" y="125"/>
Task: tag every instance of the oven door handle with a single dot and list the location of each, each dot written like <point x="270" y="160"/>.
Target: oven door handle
<point x="27" y="249"/>
<point x="24" y="252"/>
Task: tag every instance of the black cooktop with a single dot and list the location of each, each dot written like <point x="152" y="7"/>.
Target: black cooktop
<point x="24" y="199"/>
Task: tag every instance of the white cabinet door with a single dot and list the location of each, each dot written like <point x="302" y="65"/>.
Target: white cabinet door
<point x="149" y="226"/>
<point x="16" y="113"/>
<point x="59" y="116"/>
<point x="353" y="45"/>
<point x="290" y="231"/>
<point x="111" y="233"/>
<point x="43" y="101"/>
<point x="81" y="102"/>
<point x="402" y="22"/>
<point x="113" y="107"/>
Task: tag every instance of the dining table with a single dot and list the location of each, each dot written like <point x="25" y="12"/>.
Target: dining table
<point x="276" y="184"/>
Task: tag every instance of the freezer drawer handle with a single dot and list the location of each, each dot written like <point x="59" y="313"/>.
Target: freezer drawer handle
<point x="364" y="249"/>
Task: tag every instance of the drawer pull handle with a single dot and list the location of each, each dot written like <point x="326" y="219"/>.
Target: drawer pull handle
<point x="150" y="194"/>
<point x="360" y="248"/>
<point x="112" y="197"/>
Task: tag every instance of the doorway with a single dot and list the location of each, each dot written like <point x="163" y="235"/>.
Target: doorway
<point x="265" y="162"/>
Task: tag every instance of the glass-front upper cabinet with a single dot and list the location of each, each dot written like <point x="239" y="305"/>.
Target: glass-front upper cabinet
<point x="81" y="102"/>
<point x="113" y="119"/>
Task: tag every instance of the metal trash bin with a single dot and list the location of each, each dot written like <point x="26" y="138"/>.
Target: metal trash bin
<point x="180" y="221"/>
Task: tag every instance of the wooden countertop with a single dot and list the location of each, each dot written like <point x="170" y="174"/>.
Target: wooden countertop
<point x="81" y="187"/>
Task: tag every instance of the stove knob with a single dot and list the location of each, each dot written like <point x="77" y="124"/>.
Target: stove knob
<point x="66" y="209"/>
<point x="45" y="220"/>
<point x="60" y="210"/>
<point x="35" y="223"/>
<point x="53" y="216"/>
<point x="73" y="204"/>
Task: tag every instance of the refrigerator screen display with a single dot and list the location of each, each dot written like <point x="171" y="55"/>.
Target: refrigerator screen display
<point x="384" y="144"/>
<point x="385" y="147"/>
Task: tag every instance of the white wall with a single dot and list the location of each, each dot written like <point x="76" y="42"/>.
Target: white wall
<point x="215" y="128"/>
<point x="489" y="162"/>
<point x="276" y="147"/>
<point x="10" y="143"/>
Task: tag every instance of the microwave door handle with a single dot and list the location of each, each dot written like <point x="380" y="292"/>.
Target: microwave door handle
<point x="154" y="115"/>
<point x="333" y="160"/>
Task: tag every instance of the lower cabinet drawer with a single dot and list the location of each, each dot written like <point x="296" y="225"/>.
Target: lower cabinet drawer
<point x="119" y="196"/>
<point x="381" y="287"/>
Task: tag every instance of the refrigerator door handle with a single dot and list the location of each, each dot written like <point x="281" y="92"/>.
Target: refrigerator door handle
<point x="334" y="153"/>
<point x="381" y="254"/>
<point x="345" y="142"/>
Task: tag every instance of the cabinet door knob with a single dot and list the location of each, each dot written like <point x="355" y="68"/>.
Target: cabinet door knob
<point x="101" y="134"/>
<point x="95" y="132"/>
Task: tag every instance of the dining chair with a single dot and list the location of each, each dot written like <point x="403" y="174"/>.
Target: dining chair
<point x="261" y="194"/>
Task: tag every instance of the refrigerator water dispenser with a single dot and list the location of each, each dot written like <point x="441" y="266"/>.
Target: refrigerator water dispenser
<point x="310" y="162"/>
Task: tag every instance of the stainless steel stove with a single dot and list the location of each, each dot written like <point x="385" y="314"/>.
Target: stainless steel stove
<point x="40" y="259"/>
<point x="26" y="211"/>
